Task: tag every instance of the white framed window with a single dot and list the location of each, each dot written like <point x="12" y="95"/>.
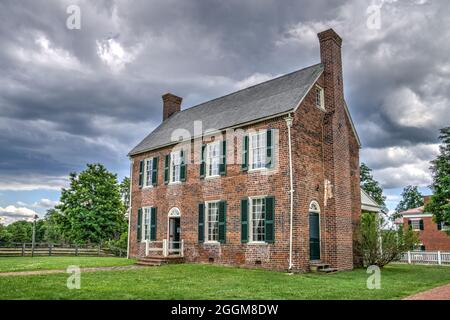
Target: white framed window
<point x="258" y="150"/>
<point x="148" y="172"/>
<point x="175" y="167"/>
<point x="213" y="158"/>
<point x="212" y="221"/>
<point x="320" y="98"/>
<point x="415" y="224"/>
<point x="146" y="222"/>
<point x="257" y="219"/>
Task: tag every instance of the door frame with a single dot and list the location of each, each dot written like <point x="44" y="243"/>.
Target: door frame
<point x="174" y="213"/>
<point x="314" y="207"/>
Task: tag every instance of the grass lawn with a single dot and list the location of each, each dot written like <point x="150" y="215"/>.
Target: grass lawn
<point x="52" y="263"/>
<point x="191" y="281"/>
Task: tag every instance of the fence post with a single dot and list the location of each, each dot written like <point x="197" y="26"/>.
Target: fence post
<point x="165" y="249"/>
<point x="49" y="249"/>
<point x="409" y="257"/>
<point x="23" y="249"/>
<point x="76" y="250"/>
<point x="99" y="249"/>
<point x="182" y="247"/>
<point x="439" y="258"/>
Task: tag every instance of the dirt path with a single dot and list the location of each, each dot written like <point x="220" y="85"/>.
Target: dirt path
<point x="440" y="293"/>
<point x="44" y="272"/>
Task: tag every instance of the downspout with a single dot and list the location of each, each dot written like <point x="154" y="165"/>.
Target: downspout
<point x="291" y="191"/>
<point x="129" y="208"/>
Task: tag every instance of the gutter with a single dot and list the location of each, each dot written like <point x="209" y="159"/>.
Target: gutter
<point x="129" y="208"/>
<point x="291" y="191"/>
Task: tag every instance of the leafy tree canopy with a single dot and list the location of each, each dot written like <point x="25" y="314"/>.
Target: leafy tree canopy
<point x="439" y="203"/>
<point x="92" y="209"/>
<point x="411" y="198"/>
<point x="371" y="186"/>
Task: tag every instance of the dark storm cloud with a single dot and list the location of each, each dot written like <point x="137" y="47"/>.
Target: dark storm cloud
<point x="68" y="97"/>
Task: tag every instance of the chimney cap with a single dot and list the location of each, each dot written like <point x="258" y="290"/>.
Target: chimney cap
<point x="330" y="34"/>
<point x="171" y="96"/>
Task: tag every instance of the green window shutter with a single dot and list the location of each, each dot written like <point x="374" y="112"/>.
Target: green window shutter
<point x="269" y="149"/>
<point x="201" y="222"/>
<point x="203" y="162"/>
<point x="245" y="152"/>
<point x="183" y="166"/>
<point x="439" y="226"/>
<point x="139" y="225"/>
<point x="167" y="169"/>
<point x="421" y="225"/>
<point x="155" y="171"/>
<point x="410" y="224"/>
<point x="270" y="217"/>
<point x="141" y="173"/>
<point x="222" y="221"/>
<point x="244" y="220"/>
<point x="223" y="158"/>
<point x="153" y="223"/>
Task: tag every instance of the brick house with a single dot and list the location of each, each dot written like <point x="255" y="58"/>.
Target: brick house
<point x="432" y="235"/>
<point x="267" y="176"/>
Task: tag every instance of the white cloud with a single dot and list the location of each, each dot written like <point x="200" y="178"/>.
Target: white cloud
<point x="397" y="156"/>
<point x="406" y="108"/>
<point x="45" y="203"/>
<point x="32" y="182"/>
<point x="12" y="213"/>
<point x="254" y="79"/>
<point x="47" y="55"/>
<point x="113" y="54"/>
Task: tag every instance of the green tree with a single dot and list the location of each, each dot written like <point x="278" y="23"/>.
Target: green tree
<point x="411" y="198"/>
<point x="380" y="243"/>
<point x="371" y="186"/>
<point x="92" y="208"/>
<point x="439" y="203"/>
<point x="4" y="235"/>
<point x="20" y="231"/>
<point x="54" y="225"/>
<point x="125" y="192"/>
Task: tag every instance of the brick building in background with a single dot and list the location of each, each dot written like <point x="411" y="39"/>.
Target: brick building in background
<point x="432" y="235"/>
<point x="267" y="176"/>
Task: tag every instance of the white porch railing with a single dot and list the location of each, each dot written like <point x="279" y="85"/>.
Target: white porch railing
<point x="165" y="247"/>
<point x="424" y="257"/>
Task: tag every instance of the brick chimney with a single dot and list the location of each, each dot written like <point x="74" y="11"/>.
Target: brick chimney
<point x="330" y="54"/>
<point x="171" y="105"/>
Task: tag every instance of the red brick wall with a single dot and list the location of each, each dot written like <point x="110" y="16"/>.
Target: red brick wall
<point x="324" y="149"/>
<point x="432" y="238"/>
<point x="341" y="158"/>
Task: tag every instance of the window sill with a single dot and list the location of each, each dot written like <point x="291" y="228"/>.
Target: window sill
<point x="174" y="183"/>
<point x="147" y="187"/>
<point x="259" y="169"/>
<point x="257" y="243"/>
<point x="212" y="177"/>
<point x="212" y="242"/>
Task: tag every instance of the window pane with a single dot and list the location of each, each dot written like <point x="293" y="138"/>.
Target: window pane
<point x="258" y="150"/>
<point x="258" y="219"/>
<point x="176" y="166"/>
<point x="213" y="221"/>
<point x="146" y="228"/>
<point x="148" y="172"/>
<point x="213" y="159"/>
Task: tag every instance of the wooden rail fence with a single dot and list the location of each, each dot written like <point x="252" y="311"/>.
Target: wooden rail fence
<point x="49" y="249"/>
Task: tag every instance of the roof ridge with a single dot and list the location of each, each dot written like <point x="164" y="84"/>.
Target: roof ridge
<point x="255" y="85"/>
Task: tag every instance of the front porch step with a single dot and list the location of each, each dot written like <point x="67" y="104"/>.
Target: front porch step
<point x="156" y="261"/>
<point x="320" y="266"/>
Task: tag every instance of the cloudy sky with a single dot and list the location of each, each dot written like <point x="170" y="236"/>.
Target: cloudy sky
<point x="69" y="96"/>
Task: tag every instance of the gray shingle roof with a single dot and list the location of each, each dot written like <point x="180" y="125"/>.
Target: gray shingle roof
<point x="264" y="100"/>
